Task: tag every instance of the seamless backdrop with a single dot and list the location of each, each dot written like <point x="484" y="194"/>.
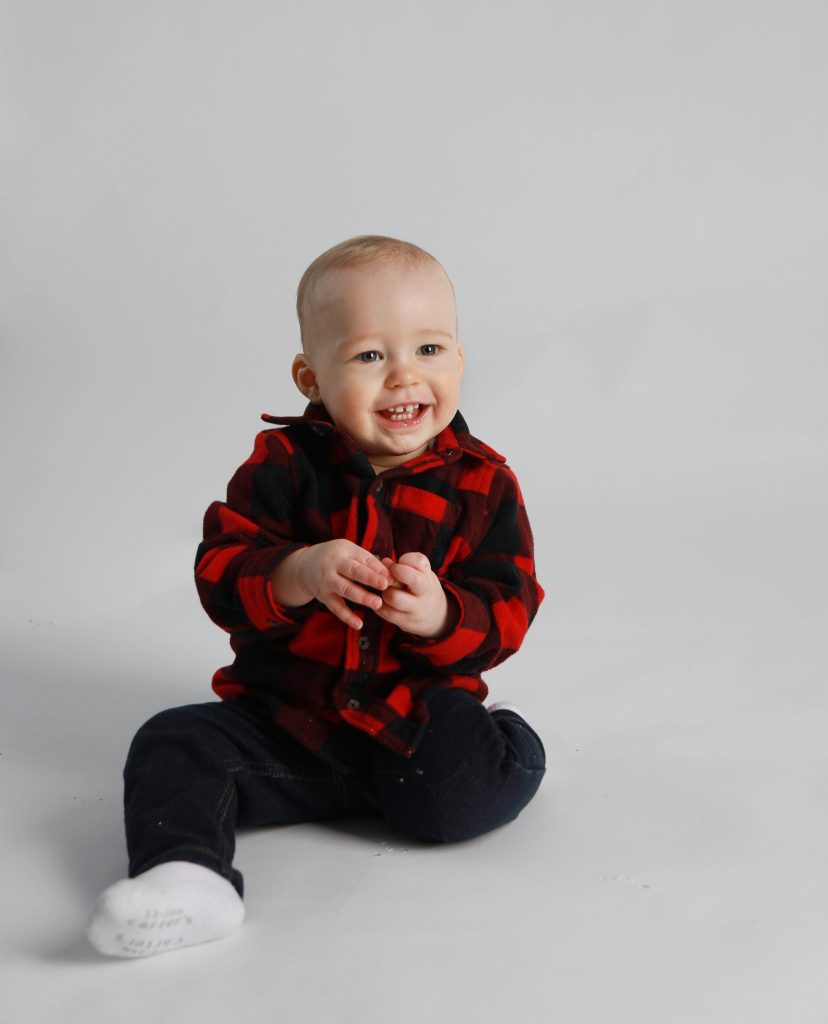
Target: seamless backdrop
<point x="630" y="199"/>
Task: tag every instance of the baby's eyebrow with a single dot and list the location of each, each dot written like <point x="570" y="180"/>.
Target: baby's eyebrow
<point x="444" y="334"/>
<point x="350" y="344"/>
<point x="359" y="339"/>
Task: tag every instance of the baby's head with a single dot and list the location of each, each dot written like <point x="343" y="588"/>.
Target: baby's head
<point x="378" y="323"/>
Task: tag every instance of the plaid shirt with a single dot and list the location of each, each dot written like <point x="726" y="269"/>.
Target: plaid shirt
<point x="308" y="482"/>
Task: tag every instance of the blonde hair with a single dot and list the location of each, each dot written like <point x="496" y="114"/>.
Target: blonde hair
<point x="362" y="250"/>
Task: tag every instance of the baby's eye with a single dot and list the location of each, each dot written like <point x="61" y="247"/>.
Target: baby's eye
<point x="429" y="350"/>
<point x="368" y="357"/>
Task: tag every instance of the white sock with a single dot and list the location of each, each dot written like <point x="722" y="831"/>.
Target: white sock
<point x="172" y="905"/>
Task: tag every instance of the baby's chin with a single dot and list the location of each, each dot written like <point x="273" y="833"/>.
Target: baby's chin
<point x="387" y="458"/>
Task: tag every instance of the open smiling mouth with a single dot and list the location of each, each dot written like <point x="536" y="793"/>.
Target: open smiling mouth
<point x="404" y="415"/>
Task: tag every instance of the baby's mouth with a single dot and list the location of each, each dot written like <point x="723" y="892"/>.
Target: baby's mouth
<point x="403" y="413"/>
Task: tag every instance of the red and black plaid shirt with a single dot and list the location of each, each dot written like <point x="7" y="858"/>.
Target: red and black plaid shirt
<point x="308" y="482"/>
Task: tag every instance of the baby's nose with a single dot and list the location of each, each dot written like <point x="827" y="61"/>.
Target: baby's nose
<point x="402" y="373"/>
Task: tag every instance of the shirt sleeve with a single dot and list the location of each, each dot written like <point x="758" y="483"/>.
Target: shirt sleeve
<point x="494" y="589"/>
<point x="245" y="538"/>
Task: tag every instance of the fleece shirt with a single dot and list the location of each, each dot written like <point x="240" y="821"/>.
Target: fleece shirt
<point x="306" y="482"/>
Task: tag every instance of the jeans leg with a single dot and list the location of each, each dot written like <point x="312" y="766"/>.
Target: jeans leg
<point x="472" y="772"/>
<point x="195" y="773"/>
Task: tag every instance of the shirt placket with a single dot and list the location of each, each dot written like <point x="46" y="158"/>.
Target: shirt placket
<point x="375" y="538"/>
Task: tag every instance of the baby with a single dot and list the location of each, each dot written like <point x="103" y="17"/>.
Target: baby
<point x="372" y="559"/>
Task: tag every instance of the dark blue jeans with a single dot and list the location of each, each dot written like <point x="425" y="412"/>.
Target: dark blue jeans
<point x="195" y="774"/>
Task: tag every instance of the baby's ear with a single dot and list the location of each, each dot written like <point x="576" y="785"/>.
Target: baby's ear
<point x="304" y="377"/>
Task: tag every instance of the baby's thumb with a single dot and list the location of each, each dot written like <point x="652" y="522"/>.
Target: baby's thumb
<point x="417" y="560"/>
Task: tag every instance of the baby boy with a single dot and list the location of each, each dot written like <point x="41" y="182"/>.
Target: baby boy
<point x="371" y="560"/>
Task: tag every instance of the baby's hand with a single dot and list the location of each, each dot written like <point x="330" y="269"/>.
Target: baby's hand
<point x="332" y="571"/>
<point x="416" y="601"/>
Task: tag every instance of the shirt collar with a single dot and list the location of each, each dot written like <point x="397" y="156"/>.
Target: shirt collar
<point x="449" y="442"/>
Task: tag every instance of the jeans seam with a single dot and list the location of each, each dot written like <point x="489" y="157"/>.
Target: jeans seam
<point x="220" y="814"/>
<point x="275" y="770"/>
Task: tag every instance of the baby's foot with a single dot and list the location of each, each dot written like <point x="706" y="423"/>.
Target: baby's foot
<point x="170" y="906"/>
<point x="501" y="705"/>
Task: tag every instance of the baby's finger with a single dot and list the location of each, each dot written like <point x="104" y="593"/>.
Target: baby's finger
<point x="389" y="563"/>
<point x="411" y="578"/>
<point x="367" y="573"/>
<point x="416" y="559"/>
<point x="351" y="592"/>
<point x="398" y="599"/>
<point x="392" y="615"/>
<point x="369" y="560"/>
<point x="343" y="612"/>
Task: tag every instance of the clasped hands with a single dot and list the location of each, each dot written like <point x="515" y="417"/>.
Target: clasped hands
<point x="411" y="595"/>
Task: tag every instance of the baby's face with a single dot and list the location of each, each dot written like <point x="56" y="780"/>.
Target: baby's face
<point x="385" y="338"/>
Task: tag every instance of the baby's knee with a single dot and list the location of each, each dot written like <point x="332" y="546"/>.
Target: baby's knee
<point x="171" y="727"/>
<point x="200" y="717"/>
<point x="436" y="813"/>
<point x="463" y="806"/>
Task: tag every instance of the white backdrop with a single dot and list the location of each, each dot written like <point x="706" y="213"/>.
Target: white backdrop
<point x="630" y="200"/>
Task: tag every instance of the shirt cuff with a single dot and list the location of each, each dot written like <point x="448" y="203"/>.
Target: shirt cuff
<point x="256" y="594"/>
<point x="460" y="643"/>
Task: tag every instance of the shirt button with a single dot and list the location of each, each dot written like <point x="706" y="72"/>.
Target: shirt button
<point x="379" y="486"/>
<point x="364" y="643"/>
<point x="353" y="704"/>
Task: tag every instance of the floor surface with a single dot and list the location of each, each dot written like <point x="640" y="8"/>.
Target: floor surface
<point x="671" y="868"/>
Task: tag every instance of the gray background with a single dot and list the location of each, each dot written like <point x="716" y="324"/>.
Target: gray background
<point x="630" y="199"/>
